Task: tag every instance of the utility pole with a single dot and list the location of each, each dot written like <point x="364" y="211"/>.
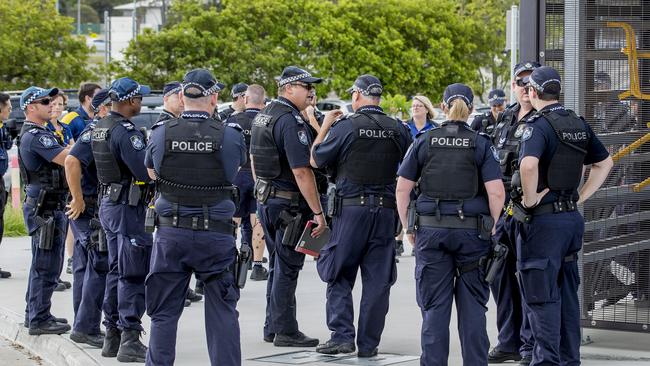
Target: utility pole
<point x="78" y="17"/>
<point x="133" y="19"/>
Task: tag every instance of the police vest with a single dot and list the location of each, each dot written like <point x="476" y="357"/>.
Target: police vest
<point x="268" y="162"/>
<point x="191" y="171"/>
<point x="109" y="169"/>
<point x="450" y="171"/>
<point x="485" y="123"/>
<point x="564" y="171"/>
<point x="246" y="123"/>
<point x="49" y="176"/>
<point x="507" y="140"/>
<point x="374" y="152"/>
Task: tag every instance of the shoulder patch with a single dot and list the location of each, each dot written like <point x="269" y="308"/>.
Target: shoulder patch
<point x="128" y="125"/>
<point x="137" y="142"/>
<point x="527" y="133"/>
<point x="85" y="137"/>
<point x="46" y="141"/>
<point x="69" y="117"/>
<point x="302" y="137"/>
<point x="520" y="130"/>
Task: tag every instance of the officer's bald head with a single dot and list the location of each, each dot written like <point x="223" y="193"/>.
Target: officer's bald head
<point x="255" y="96"/>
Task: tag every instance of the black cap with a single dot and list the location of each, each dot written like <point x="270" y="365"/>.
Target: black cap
<point x="367" y="85"/>
<point x="526" y="66"/>
<point x="545" y="79"/>
<point x="238" y="90"/>
<point x="100" y="98"/>
<point x="496" y="97"/>
<point x="172" y="87"/>
<point x="291" y="74"/>
<point x="200" y="83"/>
<point x="458" y="91"/>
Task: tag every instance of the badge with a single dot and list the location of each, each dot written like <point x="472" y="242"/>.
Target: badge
<point x="495" y="154"/>
<point x="137" y="142"/>
<point x="527" y="134"/>
<point x="302" y="137"/>
<point x="85" y="137"/>
<point x="519" y="131"/>
<point x="46" y="141"/>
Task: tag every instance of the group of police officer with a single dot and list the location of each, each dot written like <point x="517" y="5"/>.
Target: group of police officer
<point x="193" y="176"/>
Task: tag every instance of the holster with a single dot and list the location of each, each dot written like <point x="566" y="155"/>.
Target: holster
<point x="150" y="220"/>
<point x="520" y="214"/>
<point x="486" y="223"/>
<point x="45" y="232"/>
<point x="333" y="202"/>
<point x="495" y="260"/>
<point x="114" y="192"/>
<point x="98" y="236"/>
<point x="262" y="190"/>
<point x="293" y="228"/>
<point x="241" y="266"/>
<point x="411" y="218"/>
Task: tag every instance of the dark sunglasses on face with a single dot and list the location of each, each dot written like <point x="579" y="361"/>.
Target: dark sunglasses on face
<point x="520" y="83"/>
<point x="306" y="86"/>
<point x="44" y="101"/>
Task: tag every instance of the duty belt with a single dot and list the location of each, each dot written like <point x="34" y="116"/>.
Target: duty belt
<point x="287" y="195"/>
<point x="448" y="222"/>
<point x="526" y="215"/>
<point x="370" y="200"/>
<point x="198" y="223"/>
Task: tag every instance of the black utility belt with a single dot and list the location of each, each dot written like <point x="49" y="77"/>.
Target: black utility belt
<point x="198" y="223"/>
<point x="136" y="193"/>
<point x="448" y="222"/>
<point x="50" y="202"/>
<point x="370" y="200"/>
<point x="525" y="215"/>
<point x="287" y="195"/>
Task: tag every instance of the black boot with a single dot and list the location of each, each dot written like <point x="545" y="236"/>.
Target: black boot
<point x="111" y="342"/>
<point x="95" y="340"/>
<point x="259" y="273"/>
<point x="332" y="348"/>
<point x="294" y="340"/>
<point x="4" y="274"/>
<point x="131" y="349"/>
<point x="496" y="356"/>
<point x="49" y="327"/>
<point x="193" y="296"/>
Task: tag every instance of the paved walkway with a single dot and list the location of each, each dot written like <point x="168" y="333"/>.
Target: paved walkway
<point x="12" y="354"/>
<point x="401" y="335"/>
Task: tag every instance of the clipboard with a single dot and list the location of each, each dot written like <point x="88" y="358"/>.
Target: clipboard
<point x="312" y="246"/>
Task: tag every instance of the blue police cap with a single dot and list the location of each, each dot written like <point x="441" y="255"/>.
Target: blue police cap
<point x="458" y="91"/>
<point x="238" y="90"/>
<point x="367" y="85"/>
<point x="100" y="98"/>
<point x="34" y="93"/>
<point x="126" y="88"/>
<point x="496" y="97"/>
<point x="291" y="74"/>
<point x="172" y="87"/>
<point x="199" y="83"/>
<point x="525" y="66"/>
<point x="545" y="79"/>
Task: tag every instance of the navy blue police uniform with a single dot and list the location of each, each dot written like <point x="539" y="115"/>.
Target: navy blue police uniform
<point x="43" y="211"/>
<point x="486" y="123"/>
<point x="244" y="180"/>
<point x="515" y="336"/>
<point x="195" y="227"/>
<point x="451" y="163"/>
<point x="90" y="258"/>
<point x="549" y="241"/>
<point x="173" y="87"/>
<point x="363" y="151"/>
<point x="6" y="142"/>
<point x="119" y="151"/>
<point x="280" y="142"/>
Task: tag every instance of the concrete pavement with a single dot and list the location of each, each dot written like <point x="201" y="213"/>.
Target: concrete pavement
<point x="401" y="335"/>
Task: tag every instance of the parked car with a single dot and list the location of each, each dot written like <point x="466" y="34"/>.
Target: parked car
<point x="326" y="105"/>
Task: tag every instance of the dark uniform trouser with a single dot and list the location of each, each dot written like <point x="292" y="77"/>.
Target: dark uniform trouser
<point x="514" y="328"/>
<point x="3" y="202"/>
<point x="45" y="267"/>
<point x="549" y="285"/>
<point x="126" y="224"/>
<point x="438" y="253"/>
<point x="247" y="204"/>
<point x="89" y="272"/>
<point x="362" y="237"/>
<point x="284" y="266"/>
<point x="176" y="254"/>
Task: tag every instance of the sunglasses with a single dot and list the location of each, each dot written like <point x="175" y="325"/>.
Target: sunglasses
<point x="520" y="83"/>
<point x="306" y="86"/>
<point x="44" y="101"/>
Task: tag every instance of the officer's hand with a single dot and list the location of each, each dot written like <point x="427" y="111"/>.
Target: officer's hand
<point x="76" y="208"/>
<point x="530" y="202"/>
<point x="308" y="111"/>
<point x="330" y="117"/>
<point x="322" y="225"/>
<point x="411" y="239"/>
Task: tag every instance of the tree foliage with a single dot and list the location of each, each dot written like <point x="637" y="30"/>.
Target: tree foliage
<point x="413" y="46"/>
<point x="38" y="48"/>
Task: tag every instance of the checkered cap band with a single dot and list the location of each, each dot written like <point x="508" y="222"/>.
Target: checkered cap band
<point x="291" y="79"/>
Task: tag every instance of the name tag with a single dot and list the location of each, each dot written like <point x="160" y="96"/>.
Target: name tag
<point x="375" y="134"/>
<point x="574" y="136"/>
<point x="451" y="142"/>
<point x="200" y="147"/>
<point x="100" y="134"/>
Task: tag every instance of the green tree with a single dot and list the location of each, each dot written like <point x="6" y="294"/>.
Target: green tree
<point x="38" y="48"/>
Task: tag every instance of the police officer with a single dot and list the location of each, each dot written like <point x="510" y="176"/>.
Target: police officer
<point x="362" y="151"/>
<point x="6" y="143"/>
<point x="486" y="122"/>
<point x="237" y="94"/>
<point x="461" y="196"/>
<point x="78" y="119"/>
<point x="556" y="144"/>
<point x="195" y="229"/>
<point x="119" y="149"/>
<point x="515" y="338"/>
<point x="41" y="160"/>
<point x="90" y="258"/>
<point x="246" y="212"/>
<point x="287" y="195"/>
<point x="172" y="106"/>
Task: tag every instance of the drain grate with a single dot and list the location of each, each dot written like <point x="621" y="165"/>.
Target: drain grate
<point x="311" y="357"/>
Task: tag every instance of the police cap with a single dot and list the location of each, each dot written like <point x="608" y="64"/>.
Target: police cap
<point x="525" y="66"/>
<point x="458" y="91"/>
<point x="238" y="90"/>
<point x="200" y="83"/>
<point x="172" y="87"/>
<point x="367" y="85"/>
<point x="100" y="98"/>
<point x="496" y="97"/>
<point x="291" y="74"/>
<point x="126" y="88"/>
<point x="545" y="79"/>
<point x="34" y="93"/>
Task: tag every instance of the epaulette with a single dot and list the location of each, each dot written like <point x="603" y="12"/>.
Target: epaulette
<point x="33" y="131"/>
<point x="343" y="116"/>
<point x="128" y="125"/>
<point x="236" y="126"/>
<point x="157" y="124"/>
<point x="69" y="117"/>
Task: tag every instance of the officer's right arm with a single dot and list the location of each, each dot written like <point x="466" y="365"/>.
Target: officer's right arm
<point x="491" y="176"/>
<point x="73" y="176"/>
